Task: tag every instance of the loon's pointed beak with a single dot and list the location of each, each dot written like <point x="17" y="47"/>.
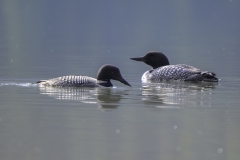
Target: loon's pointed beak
<point x="138" y="59"/>
<point x="122" y="80"/>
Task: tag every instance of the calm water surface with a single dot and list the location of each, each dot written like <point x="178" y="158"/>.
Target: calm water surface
<point x="147" y="121"/>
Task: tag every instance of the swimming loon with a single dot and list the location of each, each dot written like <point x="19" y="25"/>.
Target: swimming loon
<point x="105" y="73"/>
<point x="162" y="71"/>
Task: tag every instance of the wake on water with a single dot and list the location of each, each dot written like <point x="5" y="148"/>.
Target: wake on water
<point x="18" y="84"/>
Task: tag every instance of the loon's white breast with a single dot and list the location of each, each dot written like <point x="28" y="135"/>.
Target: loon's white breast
<point x="146" y="76"/>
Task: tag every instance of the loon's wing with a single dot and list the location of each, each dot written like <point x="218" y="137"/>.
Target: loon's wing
<point x="199" y="75"/>
<point x="70" y="81"/>
<point x="180" y="72"/>
<point x="174" y="72"/>
<point x="190" y="68"/>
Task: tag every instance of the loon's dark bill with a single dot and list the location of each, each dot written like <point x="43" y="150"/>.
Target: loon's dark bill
<point x="138" y="59"/>
<point x="122" y="80"/>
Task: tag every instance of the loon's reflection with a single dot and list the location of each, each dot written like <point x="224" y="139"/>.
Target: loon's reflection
<point x="105" y="98"/>
<point x="108" y="99"/>
<point x="177" y="94"/>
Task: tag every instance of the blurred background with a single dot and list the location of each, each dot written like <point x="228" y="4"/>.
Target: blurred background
<point x="62" y="34"/>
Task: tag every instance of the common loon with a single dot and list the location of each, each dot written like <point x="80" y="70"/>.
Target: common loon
<point x="162" y="71"/>
<point x="105" y="73"/>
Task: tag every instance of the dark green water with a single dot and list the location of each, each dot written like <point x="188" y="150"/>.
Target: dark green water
<point x="41" y="40"/>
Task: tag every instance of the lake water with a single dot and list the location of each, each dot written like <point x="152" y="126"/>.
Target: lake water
<point x="147" y="121"/>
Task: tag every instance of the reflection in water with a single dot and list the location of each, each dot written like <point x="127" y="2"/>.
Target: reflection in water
<point x="105" y="98"/>
<point x="177" y="94"/>
<point x="108" y="100"/>
<point x="69" y="93"/>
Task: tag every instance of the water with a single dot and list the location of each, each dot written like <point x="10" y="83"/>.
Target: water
<point x="148" y="121"/>
<point x="155" y="121"/>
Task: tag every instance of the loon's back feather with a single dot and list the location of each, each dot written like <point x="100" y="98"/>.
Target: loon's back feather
<point x="70" y="81"/>
<point x="181" y="72"/>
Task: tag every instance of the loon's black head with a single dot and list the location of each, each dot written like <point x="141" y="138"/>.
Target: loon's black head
<point x="107" y="72"/>
<point x="154" y="59"/>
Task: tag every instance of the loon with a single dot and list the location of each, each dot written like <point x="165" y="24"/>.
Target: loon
<point x="163" y="71"/>
<point x="105" y="73"/>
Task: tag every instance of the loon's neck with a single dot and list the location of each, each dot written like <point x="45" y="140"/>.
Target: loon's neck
<point x="105" y="83"/>
<point x="150" y="71"/>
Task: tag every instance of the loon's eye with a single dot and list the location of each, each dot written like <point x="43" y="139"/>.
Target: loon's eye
<point x="152" y="57"/>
